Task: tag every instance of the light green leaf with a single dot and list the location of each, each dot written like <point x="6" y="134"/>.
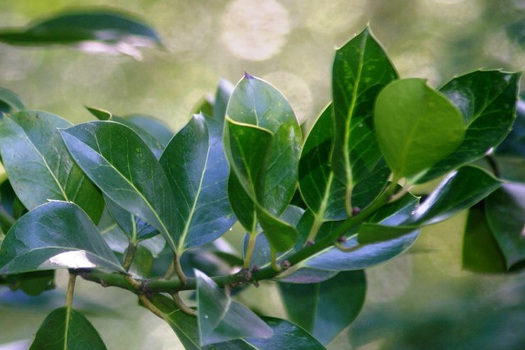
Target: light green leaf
<point x="416" y="126"/>
<point x="39" y="166"/>
<point x="10" y="101"/>
<point x="123" y="167"/>
<point x="505" y="210"/>
<point x="198" y="171"/>
<point x="325" y="309"/>
<point x="487" y="100"/>
<point x="55" y="235"/>
<point x="93" y="31"/>
<point x="221" y="318"/>
<point x="361" y="69"/>
<point x="66" y="328"/>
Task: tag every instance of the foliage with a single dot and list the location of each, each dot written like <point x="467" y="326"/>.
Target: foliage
<point x="318" y="207"/>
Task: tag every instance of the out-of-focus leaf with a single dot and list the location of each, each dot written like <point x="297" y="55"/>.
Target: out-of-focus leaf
<point x="416" y="126"/>
<point x="55" y="235"/>
<point x="321" y="190"/>
<point x="93" y="31"/>
<point x="481" y="252"/>
<point x="10" y="101"/>
<point x="487" y="100"/>
<point x="325" y="309"/>
<point x="198" y="172"/>
<point x="222" y="96"/>
<point x="100" y="114"/>
<point x="221" y="318"/>
<point x="505" y="210"/>
<point x="39" y="166"/>
<point x="286" y="335"/>
<point x="124" y="168"/>
<point x="361" y="69"/>
<point x="458" y="191"/>
<point x="66" y="328"/>
<point x="32" y="283"/>
<point x="516" y="32"/>
<point x="262" y="143"/>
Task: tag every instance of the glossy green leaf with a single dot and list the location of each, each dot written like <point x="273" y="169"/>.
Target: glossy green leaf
<point x="66" y="328"/>
<point x="198" y="172"/>
<point x="505" y="210"/>
<point x="40" y="167"/>
<point x="124" y="168"/>
<point x="487" y="100"/>
<point x="361" y="69"/>
<point x="416" y="126"/>
<point x="458" y="191"/>
<point x="370" y="252"/>
<point x="100" y="114"/>
<point x="286" y="335"/>
<point x="10" y="101"/>
<point x="262" y="143"/>
<point x="321" y="190"/>
<point x="222" y="97"/>
<point x="221" y="318"/>
<point x="481" y="252"/>
<point x="514" y="143"/>
<point x="55" y="235"/>
<point x="135" y="228"/>
<point x="325" y="309"/>
<point x="93" y="31"/>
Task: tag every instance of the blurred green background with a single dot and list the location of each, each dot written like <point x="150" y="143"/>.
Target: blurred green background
<point x="422" y="299"/>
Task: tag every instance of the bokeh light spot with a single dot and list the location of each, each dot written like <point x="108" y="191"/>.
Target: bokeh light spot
<point x="255" y="30"/>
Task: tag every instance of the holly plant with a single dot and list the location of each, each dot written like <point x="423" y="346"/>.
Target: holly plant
<point x="124" y="202"/>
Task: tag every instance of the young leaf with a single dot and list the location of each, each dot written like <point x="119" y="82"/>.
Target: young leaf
<point x="40" y="167"/>
<point x="505" y="210"/>
<point x="361" y="69"/>
<point x="221" y="318"/>
<point x="55" y="235"/>
<point x="116" y="159"/>
<point x="325" y="309"/>
<point x="198" y="171"/>
<point x="416" y="126"/>
<point x="9" y="101"/>
<point x="487" y="100"/>
<point x="458" y="191"/>
<point x="481" y="252"/>
<point x="92" y="31"/>
<point x="65" y="328"/>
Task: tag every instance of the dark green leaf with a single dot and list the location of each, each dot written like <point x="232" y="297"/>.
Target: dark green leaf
<point x="124" y="168"/>
<point x="221" y="318"/>
<point x="505" y="210"/>
<point x="361" y="69"/>
<point x="516" y="32"/>
<point x="458" y="191"/>
<point x="322" y="192"/>
<point x="487" y="100"/>
<point x="96" y="31"/>
<point x="481" y="252"/>
<point x="40" y="167"/>
<point x="9" y="101"/>
<point x="514" y="143"/>
<point x="65" y="328"/>
<point x="262" y="142"/>
<point x="100" y="114"/>
<point x="198" y="171"/>
<point x="55" y="235"/>
<point x="325" y="309"/>
<point x="416" y="126"/>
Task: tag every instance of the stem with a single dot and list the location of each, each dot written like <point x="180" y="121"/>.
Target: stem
<point x="178" y="270"/>
<point x="130" y="254"/>
<point x="70" y="289"/>
<point x="273" y="259"/>
<point x="149" y="305"/>
<point x="318" y="222"/>
<point x="249" y="250"/>
<point x="183" y="307"/>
